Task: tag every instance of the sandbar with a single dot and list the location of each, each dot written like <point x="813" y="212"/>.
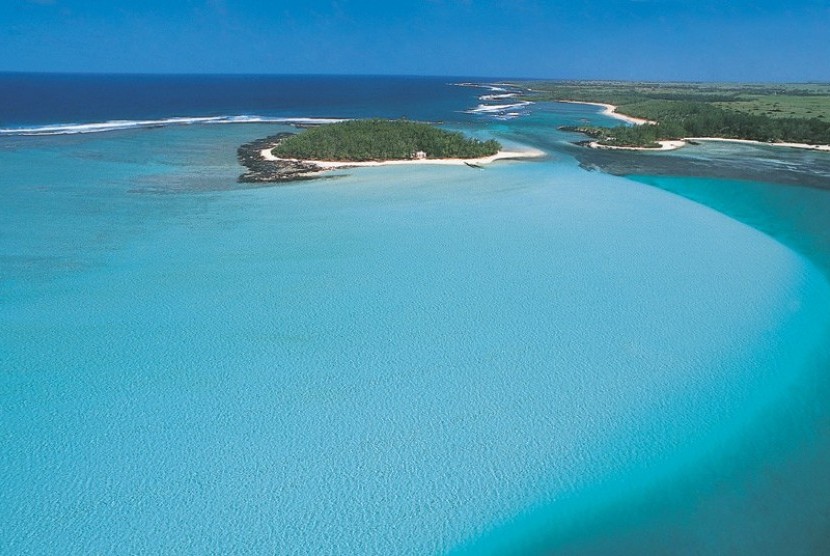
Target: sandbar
<point x="664" y="146"/>
<point x="671" y="145"/>
<point x="763" y="143"/>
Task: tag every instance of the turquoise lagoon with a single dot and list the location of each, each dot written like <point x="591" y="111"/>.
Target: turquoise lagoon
<point x="529" y="358"/>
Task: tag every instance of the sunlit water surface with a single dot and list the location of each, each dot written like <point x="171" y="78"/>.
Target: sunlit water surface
<point x="530" y="357"/>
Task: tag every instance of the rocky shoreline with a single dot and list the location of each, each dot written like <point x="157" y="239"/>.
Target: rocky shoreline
<point x="272" y="171"/>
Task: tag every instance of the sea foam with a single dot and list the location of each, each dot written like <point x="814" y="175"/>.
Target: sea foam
<point x="117" y="125"/>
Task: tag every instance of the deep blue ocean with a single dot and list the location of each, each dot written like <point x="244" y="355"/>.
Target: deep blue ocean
<point x="533" y="358"/>
<point x="41" y="99"/>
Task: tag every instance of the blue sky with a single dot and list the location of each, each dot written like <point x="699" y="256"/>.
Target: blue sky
<point x="723" y="40"/>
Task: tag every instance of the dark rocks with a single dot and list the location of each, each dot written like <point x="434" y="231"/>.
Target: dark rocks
<point x="261" y="170"/>
<point x="589" y="131"/>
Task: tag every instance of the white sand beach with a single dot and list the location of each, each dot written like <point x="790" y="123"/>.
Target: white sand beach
<point x="825" y="148"/>
<point x="333" y="165"/>
<point x="670" y="145"/>
<point x="611" y="110"/>
<point x="679" y="143"/>
<point x="664" y="146"/>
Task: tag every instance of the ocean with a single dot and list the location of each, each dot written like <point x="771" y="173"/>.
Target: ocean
<point x="537" y="358"/>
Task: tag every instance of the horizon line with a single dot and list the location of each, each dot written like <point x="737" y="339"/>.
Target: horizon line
<point x="403" y="75"/>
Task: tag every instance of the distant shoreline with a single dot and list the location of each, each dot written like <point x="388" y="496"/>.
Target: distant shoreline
<point x="671" y="145"/>
<point x="824" y="148"/>
<point x="611" y="110"/>
<point x="664" y="146"/>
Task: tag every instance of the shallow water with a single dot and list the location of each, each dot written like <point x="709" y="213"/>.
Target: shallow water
<point x="390" y="361"/>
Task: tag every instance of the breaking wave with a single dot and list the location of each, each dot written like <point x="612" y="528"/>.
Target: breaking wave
<point x="496" y="92"/>
<point x="117" y="125"/>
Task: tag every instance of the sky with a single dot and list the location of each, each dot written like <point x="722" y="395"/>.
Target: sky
<point x="689" y="40"/>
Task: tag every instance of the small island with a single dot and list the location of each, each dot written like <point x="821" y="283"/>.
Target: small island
<point x="357" y="143"/>
<point x="366" y="140"/>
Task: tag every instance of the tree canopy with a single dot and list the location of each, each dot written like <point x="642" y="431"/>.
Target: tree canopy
<point x="364" y="140"/>
<point x="699" y="110"/>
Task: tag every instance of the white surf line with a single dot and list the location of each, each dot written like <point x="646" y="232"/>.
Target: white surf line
<point x="501" y="96"/>
<point x="496" y="108"/>
<point x="117" y="125"/>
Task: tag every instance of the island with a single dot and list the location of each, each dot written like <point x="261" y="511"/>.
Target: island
<point x="671" y="115"/>
<point x="357" y="143"/>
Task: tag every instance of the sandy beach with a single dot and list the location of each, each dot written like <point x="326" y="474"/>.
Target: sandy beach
<point x="334" y="165"/>
<point x="825" y="148"/>
<point x="670" y="145"/>
<point x="664" y="146"/>
<point x="611" y="110"/>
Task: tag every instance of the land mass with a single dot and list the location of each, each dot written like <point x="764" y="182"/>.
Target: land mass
<point x="357" y="143"/>
<point x="668" y="115"/>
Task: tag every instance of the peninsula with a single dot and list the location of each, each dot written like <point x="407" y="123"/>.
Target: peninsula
<point x="671" y="115"/>
<point x="362" y="143"/>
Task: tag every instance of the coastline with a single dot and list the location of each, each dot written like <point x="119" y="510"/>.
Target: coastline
<point x="672" y="145"/>
<point x="264" y="167"/>
<point x="824" y="148"/>
<point x="358" y="282"/>
<point x="611" y="110"/>
<point x="324" y="165"/>
<point x="664" y="146"/>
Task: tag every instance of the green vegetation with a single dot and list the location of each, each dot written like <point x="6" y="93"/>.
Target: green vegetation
<point x="364" y="140"/>
<point x="783" y="106"/>
<point x="769" y="113"/>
